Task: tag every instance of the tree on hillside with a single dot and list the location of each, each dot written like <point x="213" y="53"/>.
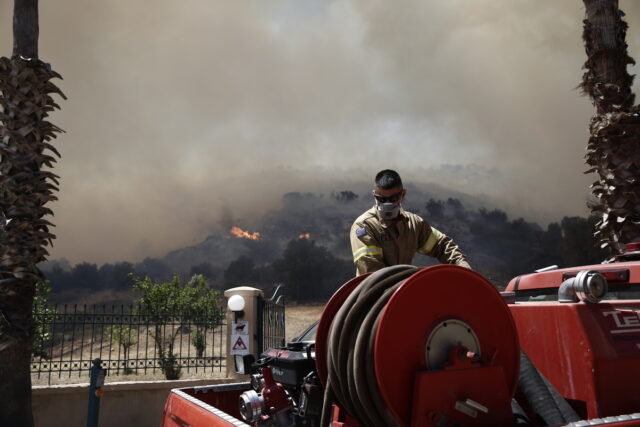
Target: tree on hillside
<point x="25" y="189"/>
<point x="612" y="150"/>
<point x="310" y="272"/>
<point x="155" y="268"/>
<point x="241" y="271"/>
<point x="115" y="276"/>
<point x="579" y="246"/>
<point x="86" y="275"/>
<point x="345" y="196"/>
<point x="435" y="209"/>
<point x="455" y="208"/>
<point x="205" y="269"/>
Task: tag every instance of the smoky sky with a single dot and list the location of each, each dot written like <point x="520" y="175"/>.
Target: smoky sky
<point x="182" y="113"/>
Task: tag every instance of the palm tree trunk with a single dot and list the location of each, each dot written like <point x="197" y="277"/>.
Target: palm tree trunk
<point x="25" y="188"/>
<point x="612" y="150"/>
<point x="25" y="28"/>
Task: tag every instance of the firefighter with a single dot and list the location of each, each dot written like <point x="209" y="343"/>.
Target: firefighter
<point x="388" y="235"/>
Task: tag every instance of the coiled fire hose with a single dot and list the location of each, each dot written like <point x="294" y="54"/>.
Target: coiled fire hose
<point x="351" y="378"/>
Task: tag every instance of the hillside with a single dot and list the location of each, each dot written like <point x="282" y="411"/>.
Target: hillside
<point x="305" y="245"/>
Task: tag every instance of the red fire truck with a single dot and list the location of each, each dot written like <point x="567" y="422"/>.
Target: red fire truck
<point x="440" y="346"/>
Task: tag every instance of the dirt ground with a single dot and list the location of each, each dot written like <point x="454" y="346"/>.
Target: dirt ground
<point x="298" y="318"/>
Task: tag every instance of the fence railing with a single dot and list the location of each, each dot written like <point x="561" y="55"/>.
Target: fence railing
<point x="128" y="339"/>
<point x="271" y="321"/>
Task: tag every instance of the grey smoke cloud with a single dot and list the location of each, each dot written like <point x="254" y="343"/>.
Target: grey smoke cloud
<point x="181" y="111"/>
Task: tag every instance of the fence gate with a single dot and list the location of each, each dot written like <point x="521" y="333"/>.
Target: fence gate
<point x="128" y="340"/>
<point x="271" y="321"/>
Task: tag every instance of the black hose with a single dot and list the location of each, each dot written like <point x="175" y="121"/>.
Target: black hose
<point x="537" y="394"/>
<point x="568" y="413"/>
<point x="519" y="415"/>
<point x="351" y="378"/>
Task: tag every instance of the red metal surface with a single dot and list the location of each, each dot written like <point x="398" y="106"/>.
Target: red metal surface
<point x="180" y="412"/>
<point x="442" y="389"/>
<point x="589" y="352"/>
<point x="341" y="419"/>
<point x="226" y="401"/>
<point x="632" y="247"/>
<point x="275" y="397"/>
<point x="329" y="312"/>
<point x="425" y="299"/>
<point x="553" y="279"/>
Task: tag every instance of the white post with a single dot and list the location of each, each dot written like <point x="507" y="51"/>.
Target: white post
<point x="242" y="325"/>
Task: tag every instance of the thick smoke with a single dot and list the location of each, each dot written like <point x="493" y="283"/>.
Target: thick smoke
<point x="184" y="116"/>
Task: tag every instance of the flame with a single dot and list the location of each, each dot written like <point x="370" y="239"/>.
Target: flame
<point x="241" y="234"/>
<point x="305" y="236"/>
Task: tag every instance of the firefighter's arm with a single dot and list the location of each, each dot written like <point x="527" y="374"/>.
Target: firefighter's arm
<point x="442" y="247"/>
<point x="367" y="251"/>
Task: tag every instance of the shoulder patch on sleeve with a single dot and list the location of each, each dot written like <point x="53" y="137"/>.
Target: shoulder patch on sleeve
<point x="361" y="232"/>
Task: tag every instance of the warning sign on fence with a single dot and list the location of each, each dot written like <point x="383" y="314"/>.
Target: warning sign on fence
<point x="240" y="328"/>
<point x="239" y="343"/>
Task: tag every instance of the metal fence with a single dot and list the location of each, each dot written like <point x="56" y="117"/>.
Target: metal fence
<point x="127" y="339"/>
<point x="271" y="323"/>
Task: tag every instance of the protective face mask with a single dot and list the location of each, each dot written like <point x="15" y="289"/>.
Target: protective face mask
<point x="388" y="210"/>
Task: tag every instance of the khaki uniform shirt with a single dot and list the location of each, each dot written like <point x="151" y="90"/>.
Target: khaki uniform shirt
<point x="377" y="244"/>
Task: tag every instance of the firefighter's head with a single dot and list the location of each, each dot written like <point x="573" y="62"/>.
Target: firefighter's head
<point x="388" y="192"/>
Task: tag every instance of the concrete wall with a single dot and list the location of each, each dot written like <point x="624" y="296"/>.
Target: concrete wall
<point x="124" y="404"/>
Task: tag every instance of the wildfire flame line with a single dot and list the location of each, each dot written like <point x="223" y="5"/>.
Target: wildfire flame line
<point x="241" y="234"/>
<point x="304" y="236"/>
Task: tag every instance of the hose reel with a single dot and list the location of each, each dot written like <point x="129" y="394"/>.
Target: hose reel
<point x="410" y="346"/>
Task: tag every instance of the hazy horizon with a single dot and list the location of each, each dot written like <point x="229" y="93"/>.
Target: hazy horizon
<point x="178" y="115"/>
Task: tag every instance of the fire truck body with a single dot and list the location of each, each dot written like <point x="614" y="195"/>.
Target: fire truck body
<point x="210" y="406"/>
<point x="590" y="352"/>
<point x="445" y="348"/>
